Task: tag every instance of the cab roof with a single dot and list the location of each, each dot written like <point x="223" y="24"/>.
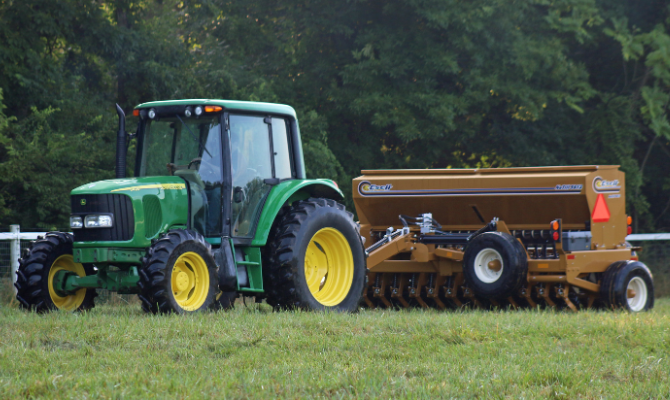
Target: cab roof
<point x="229" y="105"/>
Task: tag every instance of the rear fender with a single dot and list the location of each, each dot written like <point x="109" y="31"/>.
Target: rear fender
<point x="286" y="193"/>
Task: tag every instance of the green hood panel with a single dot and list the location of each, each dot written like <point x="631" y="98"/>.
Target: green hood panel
<point x="146" y="184"/>
<point x="165" y="192"/>
<point x="286" y="193"/>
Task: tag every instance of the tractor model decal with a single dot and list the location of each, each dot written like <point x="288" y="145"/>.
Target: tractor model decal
<point x="164" y="186"/>
<point x="368" y="189"/>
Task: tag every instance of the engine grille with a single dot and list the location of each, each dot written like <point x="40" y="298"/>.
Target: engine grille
<point x="153" y="215"/>
<point x="117" y="204"/>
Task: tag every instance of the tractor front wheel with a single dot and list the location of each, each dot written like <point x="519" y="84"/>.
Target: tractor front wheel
<point x="314" y="258"/>
<point x="35" y="276"/>
<point x="178" y="274"/>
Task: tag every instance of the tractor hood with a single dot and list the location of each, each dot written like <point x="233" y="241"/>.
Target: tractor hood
<point x="142" y="208"/>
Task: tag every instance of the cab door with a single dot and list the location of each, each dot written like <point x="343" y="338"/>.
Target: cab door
<point x="260" y="158"/>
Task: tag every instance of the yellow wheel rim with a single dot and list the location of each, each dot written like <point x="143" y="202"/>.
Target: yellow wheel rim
<point x="190" y="281"/>
<point x="329" y="267"/>
<point x="73" y="301"/>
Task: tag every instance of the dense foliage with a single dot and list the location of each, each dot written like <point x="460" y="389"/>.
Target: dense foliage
<point x="377" y="84"/>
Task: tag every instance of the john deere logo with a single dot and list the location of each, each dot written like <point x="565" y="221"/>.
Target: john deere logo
<point x="82" y="202"/>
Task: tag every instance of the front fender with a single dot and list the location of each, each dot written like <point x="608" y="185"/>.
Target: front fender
<point x="286" y="193"/>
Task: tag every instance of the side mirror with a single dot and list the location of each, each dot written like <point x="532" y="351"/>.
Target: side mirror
<point x="238" y="194"/>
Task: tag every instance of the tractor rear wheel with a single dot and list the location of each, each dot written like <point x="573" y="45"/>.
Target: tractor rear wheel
<point x="34" y="278"/>
<point x="627" y="285"/>
<point x="178" y="274"/>
<point x="314" y="259"/>
<point x="495" y="265"/>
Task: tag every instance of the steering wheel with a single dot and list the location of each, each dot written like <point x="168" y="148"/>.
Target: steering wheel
<point x="197" y="160"/>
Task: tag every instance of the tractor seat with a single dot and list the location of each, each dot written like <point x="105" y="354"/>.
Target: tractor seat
<point x="190" y="175"/>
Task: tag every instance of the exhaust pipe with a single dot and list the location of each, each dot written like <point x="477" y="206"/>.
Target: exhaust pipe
<point x="121" y="144"/>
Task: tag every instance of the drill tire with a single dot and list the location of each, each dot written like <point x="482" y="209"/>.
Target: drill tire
<point x="615" y="284"/>
<point x="514" y="262"/>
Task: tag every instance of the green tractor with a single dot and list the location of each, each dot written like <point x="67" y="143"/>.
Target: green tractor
<point x="219" y="205"/>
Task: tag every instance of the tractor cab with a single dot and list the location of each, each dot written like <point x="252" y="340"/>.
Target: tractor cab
<point x="228" y="159"/>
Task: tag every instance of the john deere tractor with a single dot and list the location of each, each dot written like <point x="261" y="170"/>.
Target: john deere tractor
<point x="219" y="205"/>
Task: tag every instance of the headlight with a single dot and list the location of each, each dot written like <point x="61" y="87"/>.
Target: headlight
<point x="98" y="221"/>
<point x="76" y="222"/>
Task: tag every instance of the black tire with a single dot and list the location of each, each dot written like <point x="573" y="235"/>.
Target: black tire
<point x="32" y="277"/>
<point x="164" y="258"/>
<point x="615" y="284"/>
<point x="285" y="277"/>
<point x="499" y="284"/>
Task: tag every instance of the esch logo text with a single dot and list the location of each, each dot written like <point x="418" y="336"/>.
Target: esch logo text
<point x="603" y="185"/>
<point x="367" y="187"/>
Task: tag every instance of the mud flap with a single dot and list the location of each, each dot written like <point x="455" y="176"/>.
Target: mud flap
<point x="227" y="272"/>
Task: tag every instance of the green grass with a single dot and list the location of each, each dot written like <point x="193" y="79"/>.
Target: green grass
<point x="119" y="352"/>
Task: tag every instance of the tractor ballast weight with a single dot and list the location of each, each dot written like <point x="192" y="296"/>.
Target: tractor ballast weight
<point x="515" y="237"/>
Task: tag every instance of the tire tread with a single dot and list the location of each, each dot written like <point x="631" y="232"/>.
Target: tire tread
<point x="31" y="286"/>
<point x="279" y="278"/>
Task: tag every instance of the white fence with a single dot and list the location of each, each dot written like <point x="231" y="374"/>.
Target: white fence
<point x="15" y="236"/>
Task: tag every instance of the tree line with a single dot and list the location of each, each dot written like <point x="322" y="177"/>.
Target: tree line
<point x="376" y="84"/>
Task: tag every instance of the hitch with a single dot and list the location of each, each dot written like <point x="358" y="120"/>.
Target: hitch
<point x="124" y="282"/>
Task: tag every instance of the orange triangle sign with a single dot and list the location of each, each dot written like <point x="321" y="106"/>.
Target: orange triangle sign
<point x="601" y="213"/>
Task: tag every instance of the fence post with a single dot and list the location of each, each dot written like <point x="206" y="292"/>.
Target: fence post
<point x="15" y="251"/>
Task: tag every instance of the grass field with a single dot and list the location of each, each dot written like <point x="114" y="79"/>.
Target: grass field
<point x="116" y="351"/>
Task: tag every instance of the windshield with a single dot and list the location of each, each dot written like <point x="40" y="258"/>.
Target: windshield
<point x="172" y="144"/>
<point x="191" y="149"/>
